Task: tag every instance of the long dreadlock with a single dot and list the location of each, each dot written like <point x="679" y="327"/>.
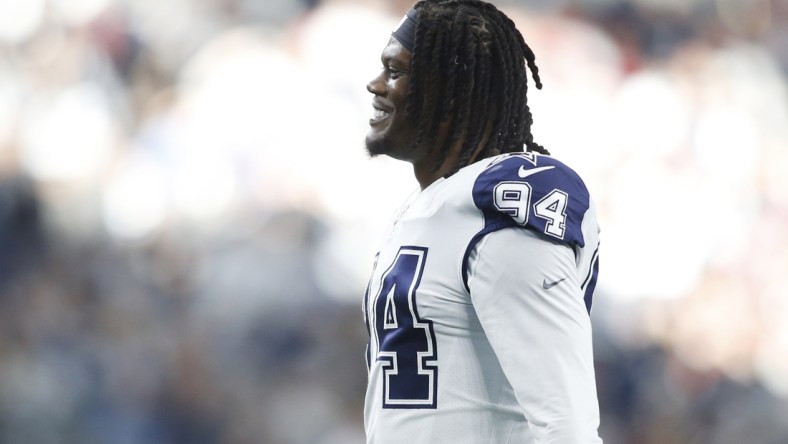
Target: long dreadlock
<point x="468" y="59"/>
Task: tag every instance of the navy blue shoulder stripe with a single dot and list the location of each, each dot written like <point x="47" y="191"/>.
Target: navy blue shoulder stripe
<point x="531" y="191"/>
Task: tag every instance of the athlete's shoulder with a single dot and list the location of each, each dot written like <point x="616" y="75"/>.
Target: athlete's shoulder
<point x="534" y="191"/>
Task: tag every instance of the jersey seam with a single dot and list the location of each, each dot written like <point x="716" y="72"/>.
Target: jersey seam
<point x="479" y="246"/>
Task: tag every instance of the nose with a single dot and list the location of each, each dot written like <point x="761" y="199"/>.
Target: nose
<point x="377" y="86"/>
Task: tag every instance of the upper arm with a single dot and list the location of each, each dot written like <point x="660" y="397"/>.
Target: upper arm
<point x="527" y="294"/>
<point x="539" y="194"/>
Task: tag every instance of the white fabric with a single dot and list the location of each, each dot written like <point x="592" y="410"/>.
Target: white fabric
<point x="541" y="337"/>
<point x="503" y="360"/>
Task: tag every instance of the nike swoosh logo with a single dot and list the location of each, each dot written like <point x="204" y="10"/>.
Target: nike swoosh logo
<point x="523" y="173"/>
<point x="548" y="285"/>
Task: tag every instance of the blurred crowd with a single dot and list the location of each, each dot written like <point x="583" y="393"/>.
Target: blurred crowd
<point x="188" y="217"/>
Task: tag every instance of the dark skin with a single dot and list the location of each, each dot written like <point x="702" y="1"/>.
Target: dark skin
<point x="391" y="132"/>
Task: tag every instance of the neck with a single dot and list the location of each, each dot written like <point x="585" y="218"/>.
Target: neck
<point x="425" y="171"/>
<point x="425" y="176"/>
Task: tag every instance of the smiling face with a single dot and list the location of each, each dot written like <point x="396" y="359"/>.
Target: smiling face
<point x="391" y="132"/>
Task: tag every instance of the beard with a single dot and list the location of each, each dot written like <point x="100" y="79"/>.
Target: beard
<point x="376" y="146"/>
<point x="396" y="144"/>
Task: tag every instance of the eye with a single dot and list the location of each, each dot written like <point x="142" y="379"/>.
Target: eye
<point x="394" y="73"/>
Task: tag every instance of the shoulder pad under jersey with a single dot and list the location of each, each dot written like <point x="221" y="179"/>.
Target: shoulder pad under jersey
<point x="534" y="191"/>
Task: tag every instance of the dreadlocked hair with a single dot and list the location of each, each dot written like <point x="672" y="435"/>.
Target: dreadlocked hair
<point x="468" y="62"/>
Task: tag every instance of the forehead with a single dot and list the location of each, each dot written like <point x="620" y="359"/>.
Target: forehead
<point x="395" y="52"/>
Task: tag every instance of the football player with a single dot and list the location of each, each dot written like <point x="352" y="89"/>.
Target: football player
<point x="479" y="301"/>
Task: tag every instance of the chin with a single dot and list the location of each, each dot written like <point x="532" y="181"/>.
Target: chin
<point x="381" y="143"/>
<point x="376" y="146"/>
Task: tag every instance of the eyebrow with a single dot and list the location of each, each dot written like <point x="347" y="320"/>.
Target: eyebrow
<point x="395" y="62"/>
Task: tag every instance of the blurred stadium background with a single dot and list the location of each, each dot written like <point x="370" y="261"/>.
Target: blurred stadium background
<point x="188" y="217"/>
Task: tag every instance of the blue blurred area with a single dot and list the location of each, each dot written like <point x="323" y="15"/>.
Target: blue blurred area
<point x="187" y="216"/>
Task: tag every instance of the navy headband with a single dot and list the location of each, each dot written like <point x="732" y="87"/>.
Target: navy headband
<point x="406" y="31"/>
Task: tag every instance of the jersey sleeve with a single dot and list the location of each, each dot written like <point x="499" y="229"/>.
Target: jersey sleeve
<point x="532" y="311"/>
<point x="533" y="192"/>
<point x="536" y="192"/>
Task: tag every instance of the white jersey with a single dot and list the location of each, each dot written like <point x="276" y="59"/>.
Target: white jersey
<point x="478" y="310"/>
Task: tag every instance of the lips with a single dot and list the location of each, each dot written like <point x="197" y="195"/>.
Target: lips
<point x="380" y="112"/>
